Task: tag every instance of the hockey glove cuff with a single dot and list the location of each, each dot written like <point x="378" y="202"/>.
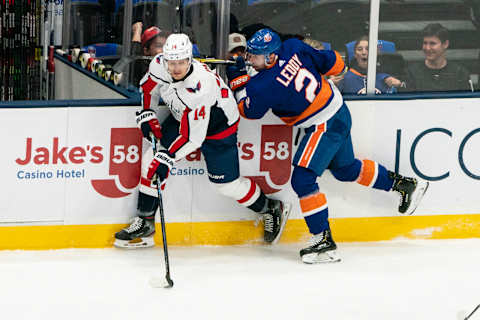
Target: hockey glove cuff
<point x="237" y="74"/>
<point x="147" y="122"/>
<point x="160" y="166"/>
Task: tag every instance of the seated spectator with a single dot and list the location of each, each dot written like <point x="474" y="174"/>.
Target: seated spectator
<point x="355" y="80"/>
<point x="237" y="45"/>
<point x="149" y="43"/>
<point x="436" y="73"/>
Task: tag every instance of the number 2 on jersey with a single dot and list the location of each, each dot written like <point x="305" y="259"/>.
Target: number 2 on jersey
<point x="311" y="86"/>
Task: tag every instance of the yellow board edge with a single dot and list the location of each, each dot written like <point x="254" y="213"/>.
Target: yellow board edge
<point x="245" y="232"/>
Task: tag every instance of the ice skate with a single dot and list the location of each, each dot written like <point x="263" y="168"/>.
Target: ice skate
<point x="275" y="219"/>
<point x="322" y="249"/>
<point x="411" y="192"/>
<point x="138" y="235"/>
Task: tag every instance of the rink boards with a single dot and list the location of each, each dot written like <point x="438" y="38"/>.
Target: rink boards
<point x="70" y="177"/>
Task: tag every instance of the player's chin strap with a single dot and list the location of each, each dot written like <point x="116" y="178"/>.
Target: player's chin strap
<point x="269" y="63"/>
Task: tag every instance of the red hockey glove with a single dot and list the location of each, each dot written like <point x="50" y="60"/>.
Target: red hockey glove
<point x="147" y="122"/>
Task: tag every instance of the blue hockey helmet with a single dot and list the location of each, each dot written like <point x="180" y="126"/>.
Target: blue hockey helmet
<point x="264" y="41"/>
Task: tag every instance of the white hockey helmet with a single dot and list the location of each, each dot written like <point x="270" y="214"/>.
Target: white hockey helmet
<point x="178" y="47"/>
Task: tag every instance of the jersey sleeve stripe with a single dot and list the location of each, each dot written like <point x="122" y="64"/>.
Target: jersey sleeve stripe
<point x="241" y="106"/>
<point x="183" y="138"/>
<point x="337" y="67"/>
<point x="322" y="99"/>
<point x="147" y="88"/>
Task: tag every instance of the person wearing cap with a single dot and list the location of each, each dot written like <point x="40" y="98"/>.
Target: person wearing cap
<point x="236" y="45"/>
<point x="149" y="43"/>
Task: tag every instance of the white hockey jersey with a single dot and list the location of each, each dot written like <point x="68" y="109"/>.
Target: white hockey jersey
<point x="201" y="102"/>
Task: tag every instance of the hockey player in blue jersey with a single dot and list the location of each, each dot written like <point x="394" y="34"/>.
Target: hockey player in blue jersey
<point x="291" y="82"/>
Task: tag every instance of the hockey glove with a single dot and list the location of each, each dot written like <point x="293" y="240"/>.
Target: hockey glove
<point x="237" y="74"/>
<point x="147" y="122"/>
<point x="160" y="166"/>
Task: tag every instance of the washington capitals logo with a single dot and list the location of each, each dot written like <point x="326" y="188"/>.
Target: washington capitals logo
<point x="193" y="90"/>
<point x="267" y="37"/>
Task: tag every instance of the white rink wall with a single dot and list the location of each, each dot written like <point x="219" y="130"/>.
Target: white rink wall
<point x="81" y="165"/>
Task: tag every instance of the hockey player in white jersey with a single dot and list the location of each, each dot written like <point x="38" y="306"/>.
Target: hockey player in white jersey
<point x="203" y="114"/>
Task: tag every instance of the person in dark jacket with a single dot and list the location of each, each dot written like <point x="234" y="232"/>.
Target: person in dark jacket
<point x="436" y="73"/>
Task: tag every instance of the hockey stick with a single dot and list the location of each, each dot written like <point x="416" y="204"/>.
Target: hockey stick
<point x="219" y="61"/>
<point x="462" y="314"/>
<point x="121" y="64"/>
<point x="154" y="282"/>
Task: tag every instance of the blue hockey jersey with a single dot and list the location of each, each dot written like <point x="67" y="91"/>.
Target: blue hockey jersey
<point x="295" y="88"/>
<point x="355" y="82"/>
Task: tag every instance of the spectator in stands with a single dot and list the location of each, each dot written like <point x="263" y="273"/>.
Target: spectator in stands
<point x="355" y="80"/>
<point x="149" y="43"/>
<point x="237" y="45"/>
<point x="436" y="73"/>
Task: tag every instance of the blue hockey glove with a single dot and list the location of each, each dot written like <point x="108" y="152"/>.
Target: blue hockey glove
<point x="237" y="74"/>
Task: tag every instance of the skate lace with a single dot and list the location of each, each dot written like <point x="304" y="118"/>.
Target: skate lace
<point x="135" y="226"/>
<point x="268" y="221"/>
<point x="316" y="239"/>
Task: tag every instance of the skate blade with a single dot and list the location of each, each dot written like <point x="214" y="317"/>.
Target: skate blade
<point x="285" y="213"/>
<point x="417" y="196"/>
<point x="145" y="242"/>
<point x="324" y="257"/>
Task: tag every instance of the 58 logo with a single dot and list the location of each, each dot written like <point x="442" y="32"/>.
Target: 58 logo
<point x="125" y="163"/>
<point x="275" y="157"/>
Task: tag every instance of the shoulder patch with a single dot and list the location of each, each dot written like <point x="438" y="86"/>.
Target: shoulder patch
<point x="195" y="89"/>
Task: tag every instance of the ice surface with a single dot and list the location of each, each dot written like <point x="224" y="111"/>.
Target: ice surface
<point x="421" y="279"/>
